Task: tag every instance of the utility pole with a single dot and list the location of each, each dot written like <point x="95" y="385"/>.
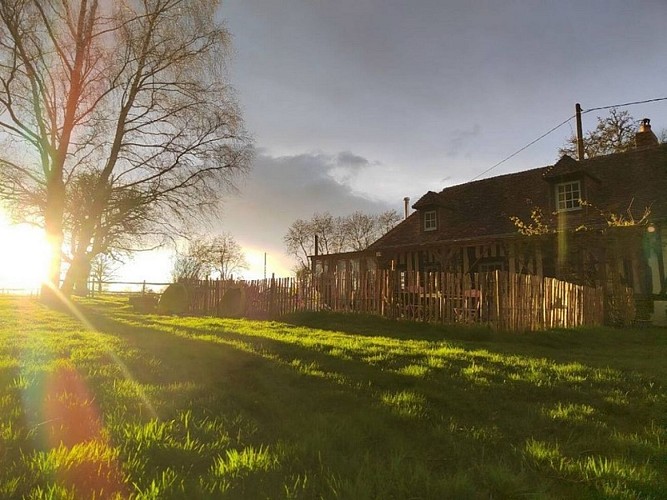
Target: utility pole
<point x="265" y="265"/>
<point x="317" y="251"/>
<point x="580" y="133"/>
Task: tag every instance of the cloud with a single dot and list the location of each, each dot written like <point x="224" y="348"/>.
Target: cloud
<point x="461" y="140"/>
<point x="345" y="166"/>
<point x="352" y="160"/>
<point x="280" y="190"/>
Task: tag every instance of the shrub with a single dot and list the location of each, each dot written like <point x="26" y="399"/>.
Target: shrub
<point x="233" y="303"/>
<point x="174" y="299"/>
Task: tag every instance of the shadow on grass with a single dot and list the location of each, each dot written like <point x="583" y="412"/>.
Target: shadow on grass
<point x="335" y="431"/>
<point x="635" y="349"/>
<point x="374" y="326"/>
<point x="449" y="406"/>
<point x="449" y="375"/>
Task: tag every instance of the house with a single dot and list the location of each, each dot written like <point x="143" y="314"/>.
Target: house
<point x="598" y="221"/>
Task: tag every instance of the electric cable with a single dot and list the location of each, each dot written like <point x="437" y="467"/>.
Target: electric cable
<point x="633" y="103"/>
<point x="523" y="148"/>
<point x="624" y="105"/>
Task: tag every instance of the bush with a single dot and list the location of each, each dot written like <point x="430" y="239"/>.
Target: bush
<point x="233" y="303"/>
<point x="144" y="303"/>
<point x="174" y="299"/>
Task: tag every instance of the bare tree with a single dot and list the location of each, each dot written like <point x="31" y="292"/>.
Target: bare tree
<point x="613" y="134"/>
<point x="363" y="229"/>
<point x="127" y="99"/>
<point x="103" y="268"/>
<point x="300" y="242"/>
<point x="662" y="136"/>
<point x="387" y="220"/>
<point x="207" y="256"/>
<point x="226" y="256"/>
<point x="193" y="262"/>
<point x="360" y="230"/>
<point x="51" y="62"/>
<point x="330" y="231"/>
<point x="354" y="232"/>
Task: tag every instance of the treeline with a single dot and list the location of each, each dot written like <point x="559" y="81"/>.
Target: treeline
<point x="336" y="234"/>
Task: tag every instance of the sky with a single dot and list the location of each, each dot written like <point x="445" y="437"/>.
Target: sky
<point x="355" y="104"/>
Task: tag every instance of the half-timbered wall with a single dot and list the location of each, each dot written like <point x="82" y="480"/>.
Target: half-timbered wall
<point x="632" y="257"/>
<point x="483" y="257"/>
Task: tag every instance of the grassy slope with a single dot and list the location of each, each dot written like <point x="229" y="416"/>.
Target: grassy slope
<point x="324" y="406"/>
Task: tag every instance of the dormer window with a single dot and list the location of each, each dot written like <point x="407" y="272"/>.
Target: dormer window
<point x="430" y="220"/>
<point x="568" y="196"/>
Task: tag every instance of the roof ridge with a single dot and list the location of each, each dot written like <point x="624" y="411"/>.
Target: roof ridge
<point x="633" y="151"/>
<point x="487" y="179"/>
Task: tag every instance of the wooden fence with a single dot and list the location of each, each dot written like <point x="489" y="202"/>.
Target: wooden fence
<point x="510" y="302"/>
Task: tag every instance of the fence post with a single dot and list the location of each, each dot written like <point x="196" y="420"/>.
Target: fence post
<point x="272" y="296"/>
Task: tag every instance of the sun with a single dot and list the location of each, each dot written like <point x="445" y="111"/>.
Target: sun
<point x="24" y="256"/>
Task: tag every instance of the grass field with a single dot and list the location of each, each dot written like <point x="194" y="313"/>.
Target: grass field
<point x="104" y="403"/>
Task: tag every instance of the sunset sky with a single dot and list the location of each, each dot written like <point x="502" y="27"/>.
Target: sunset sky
<point x="354" y="104"/>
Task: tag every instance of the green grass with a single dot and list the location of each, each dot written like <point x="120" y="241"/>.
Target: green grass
<point x="105" y="403"/>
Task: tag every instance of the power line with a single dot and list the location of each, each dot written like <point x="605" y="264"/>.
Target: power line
<point x="625" y="104"/>
<point x="523" y="148"/>
<point x="560" y="125"/>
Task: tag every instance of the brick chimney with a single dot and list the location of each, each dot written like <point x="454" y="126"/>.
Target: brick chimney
<point x="645" y="138"/>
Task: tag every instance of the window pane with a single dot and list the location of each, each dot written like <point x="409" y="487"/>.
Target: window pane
<point x="430" y="220"/>
<point x="568" y="195"/>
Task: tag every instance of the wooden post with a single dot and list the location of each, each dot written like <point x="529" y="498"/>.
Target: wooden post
<point x="580" y="133"/>
<point x="272" y="293"/>
<point x="317" y="252"/>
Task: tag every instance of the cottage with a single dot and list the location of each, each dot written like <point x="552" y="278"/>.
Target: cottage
<point x="598" y="221"/>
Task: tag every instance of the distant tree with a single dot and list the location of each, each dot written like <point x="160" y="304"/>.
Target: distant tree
<point x="300" y="237"/>
<point x="206" y="256"/>
<point x="387" y="220"/>
<point x="192" y="263"/>
<point x="613" y="134"/>
<point x="300" y="242"/>
<point x="662" y="136"/>
<point x="331" y="232"/>
<point x="362" y="229"/>
<point x="353" y="232"/>
<point x="226" y="256"/>
<point x="103" y="268"/>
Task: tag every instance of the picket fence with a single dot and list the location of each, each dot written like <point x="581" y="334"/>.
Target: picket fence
<point x="508" y="302"/>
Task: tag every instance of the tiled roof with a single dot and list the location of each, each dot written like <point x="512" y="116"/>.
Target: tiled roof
<point x="482" y="209"/>
<point x="428" y="200"/>
<point x="567" y="167"/>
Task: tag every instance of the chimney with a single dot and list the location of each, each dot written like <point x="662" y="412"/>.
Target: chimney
<point x="645" y="138"/>
<point x="406" y="203"/>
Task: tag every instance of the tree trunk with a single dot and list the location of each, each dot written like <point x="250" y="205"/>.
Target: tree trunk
<point x="76" y="279"/>
<point x="53" y="217"/>
<point x="82" y="277"/>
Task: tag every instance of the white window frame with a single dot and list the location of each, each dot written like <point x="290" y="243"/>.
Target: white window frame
<point x="568" y="196"/>
<point x="430" y="220"/>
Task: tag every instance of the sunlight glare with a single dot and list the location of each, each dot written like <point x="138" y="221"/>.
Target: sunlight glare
<point x="274" y="264"/>
<point x="24" y="255"/>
